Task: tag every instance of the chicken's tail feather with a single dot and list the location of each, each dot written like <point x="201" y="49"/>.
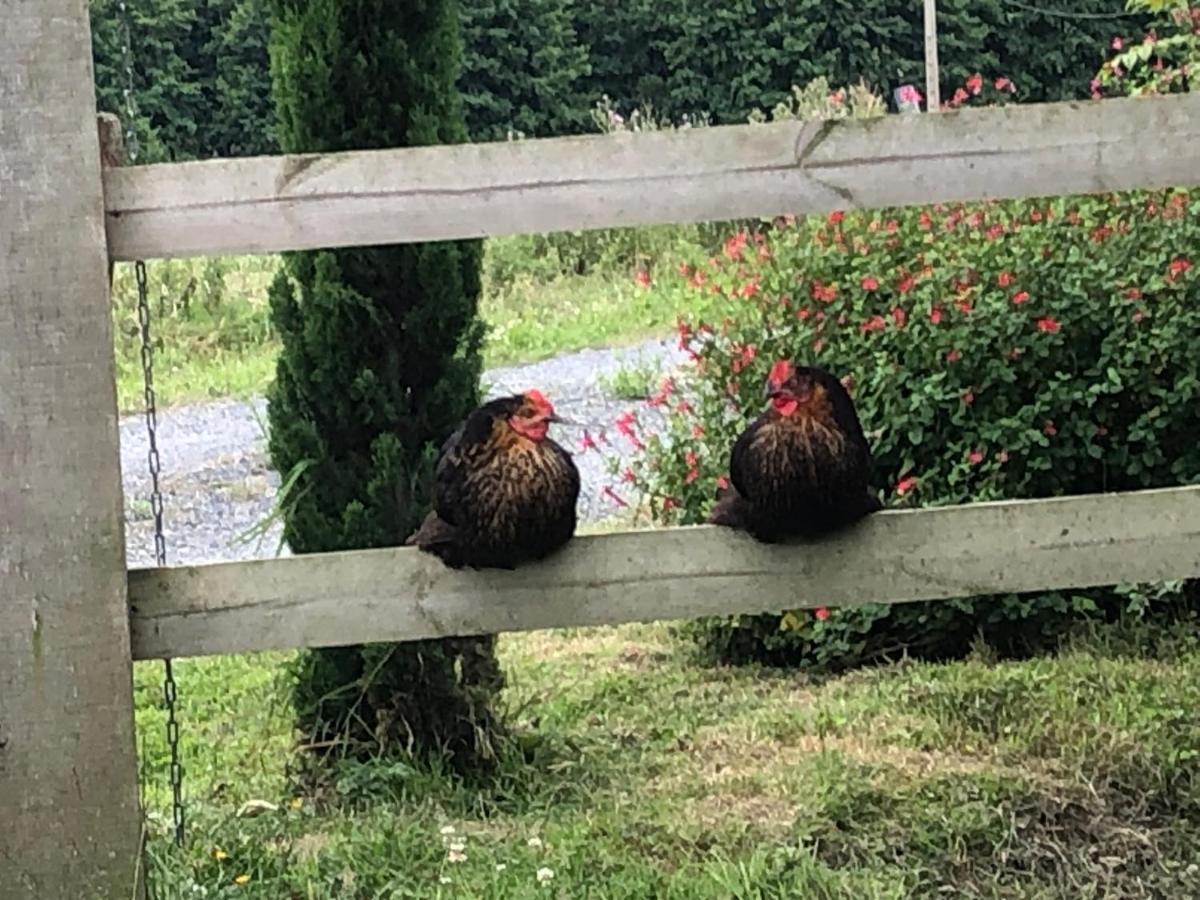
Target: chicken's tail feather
<point x="438" y="537"/>
<point x="729" y="510"/>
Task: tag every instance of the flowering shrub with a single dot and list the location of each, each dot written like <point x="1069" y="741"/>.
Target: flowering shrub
<point x="997" y="350"/>
<point x="1162" y="61"/>
<point x="980" y="91"/>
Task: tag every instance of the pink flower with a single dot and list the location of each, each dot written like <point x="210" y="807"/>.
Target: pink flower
<point x="899" y="317"/>
<point x="1049" y="325"/>
<point x="669" y="503"/>
<point x="642" y="277"/>
<point x="821" y="613"/>
<point x="629" y="476"/>
<point x="905" y="485"/>
<point x="588" y="443"/>
<point x="1004" y="279"/>
<point x="1178" y="267"/>
<point x="968" y="397"/>
<point x="1049" y="429"/>
<point x="723" y="482"/>
<point x="875" y="323"/>
<point x="975" y="457"/>
<point x="1003" y="84"/>
<point x="837" y="217"/>
<point x="907" y="283"/>
<point x="1117" y="43"/>
<point x="953" y="356"/>
<point x="870" y="284"/>
<point x="974" y="84"/>
<point x="960" y="97"/>
<point x="935" y="315"/>
<point x="1020" y="297"/>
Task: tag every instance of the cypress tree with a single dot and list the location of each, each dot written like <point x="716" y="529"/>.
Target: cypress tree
<point x="380" y="360"/>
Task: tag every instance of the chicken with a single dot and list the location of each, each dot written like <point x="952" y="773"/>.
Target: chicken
<point x="802" y="468"/>
<point x="504" y="492"/>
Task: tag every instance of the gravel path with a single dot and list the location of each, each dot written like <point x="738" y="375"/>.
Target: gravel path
<point x="217" y="482"/>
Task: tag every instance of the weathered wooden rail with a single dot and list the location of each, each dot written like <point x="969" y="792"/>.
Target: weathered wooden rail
<point x="69" y="819"/>
<point x="400" y="594"/>
<point x="274" y="203"/>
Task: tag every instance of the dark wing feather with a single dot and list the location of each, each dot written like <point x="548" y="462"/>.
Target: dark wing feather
<point x="740" y="474"/>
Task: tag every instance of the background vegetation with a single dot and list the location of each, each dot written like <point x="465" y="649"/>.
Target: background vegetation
<point x="1075" y="772"/>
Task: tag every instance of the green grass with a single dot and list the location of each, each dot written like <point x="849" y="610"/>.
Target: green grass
<point x="641" y="775"/>
<point x="213" y="337"/>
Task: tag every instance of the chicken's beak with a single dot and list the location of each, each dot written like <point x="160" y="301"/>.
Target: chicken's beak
<point x="556" y="419"/>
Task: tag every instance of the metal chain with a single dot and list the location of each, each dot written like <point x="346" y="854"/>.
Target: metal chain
<point x="170" y="694"/>
<point x="160" y="541"/>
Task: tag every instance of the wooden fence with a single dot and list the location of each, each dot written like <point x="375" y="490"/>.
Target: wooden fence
<point x="72" y="618"/>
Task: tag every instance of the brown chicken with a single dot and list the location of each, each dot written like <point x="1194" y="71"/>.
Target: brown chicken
<point x="504" y="492"/>
<point x="802" y="468"/>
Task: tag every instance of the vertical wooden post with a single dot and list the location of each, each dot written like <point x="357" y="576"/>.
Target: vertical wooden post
<point x="933" y="93"/>
<point x="70" y="825"/>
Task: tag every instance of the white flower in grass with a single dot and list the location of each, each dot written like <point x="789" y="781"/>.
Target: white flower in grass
<point x="544" y="874"/>
<point x="535" y="843"/>
<point x="447" y="829"/>
<point x="500" y="867"/>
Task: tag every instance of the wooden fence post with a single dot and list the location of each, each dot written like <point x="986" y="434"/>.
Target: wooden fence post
<point x="933" y="98"/>
<point x="70" y="825"/>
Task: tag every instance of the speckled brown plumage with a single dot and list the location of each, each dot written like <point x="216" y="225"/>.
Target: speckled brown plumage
<point x="500" y="497"/>
<point x="803" y="471"/>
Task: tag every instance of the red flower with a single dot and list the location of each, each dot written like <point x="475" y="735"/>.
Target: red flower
<point x="1139" y="316"/>
<point x="624" y="424"/>
<point x="669" y="503"/>
<point x="968" y="397"/>
<point x="628" y="475"/>
<point x="975" y="83"/>
<point x="821" y="612"/>
<point x="723" y="482"/>
<point x="749" y="289"/>
<point x="953" y="356"/>
<point x="1020" y="297"/>
<point x="1049" y="428"/>
<point x="899" y="316"/>
<point x="870" y="284"/>
<point x="642" y="277"/>
<point x="906" y="484"/>
<point x="960" y="97"/>
<point x="1133" y="294"/>
<point x="697" y="431"/>
<point x="994" y="232"/>
<point x="1049" y="325"/>
<point x="906" y="284"/>
<point x="588" y="443"/>
<point x="734" y="246"/>
<point x="875" y="323"/>
<point x="1177" y="268"/>
<point x="925" y="221"/>
<point x="684" y="269"/>
<point x="836" y="217"/>
<point x="1003" y="84"/>
<point x="1004" y="279"/>
<point x="935" y="315"/>
<point x="975" y="457"/>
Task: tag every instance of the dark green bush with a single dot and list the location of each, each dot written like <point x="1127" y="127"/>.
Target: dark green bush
<point x="994" y="351"/>
<point x="380" y="361"/>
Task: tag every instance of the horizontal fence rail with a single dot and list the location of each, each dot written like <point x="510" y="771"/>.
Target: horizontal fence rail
<point x="893" y="557"/>
<point x="276" y="203"/>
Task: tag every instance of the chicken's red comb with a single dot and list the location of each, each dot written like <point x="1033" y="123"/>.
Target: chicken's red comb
<point x="780" y="372"/>
<point x="538" y="399"/>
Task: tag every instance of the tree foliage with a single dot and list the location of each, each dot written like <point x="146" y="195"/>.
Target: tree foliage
<point x="380" y="361"/>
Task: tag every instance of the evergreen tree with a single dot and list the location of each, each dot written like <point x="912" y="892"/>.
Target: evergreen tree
<point x="522" y="70"/>
<point x="380" y="361"/>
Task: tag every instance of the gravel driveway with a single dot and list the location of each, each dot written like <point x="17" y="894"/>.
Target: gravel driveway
<point x="217" y="482"/>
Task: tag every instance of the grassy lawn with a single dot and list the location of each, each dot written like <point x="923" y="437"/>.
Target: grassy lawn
<point x="641" y="775"/>
<point x="213" y="336"/>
